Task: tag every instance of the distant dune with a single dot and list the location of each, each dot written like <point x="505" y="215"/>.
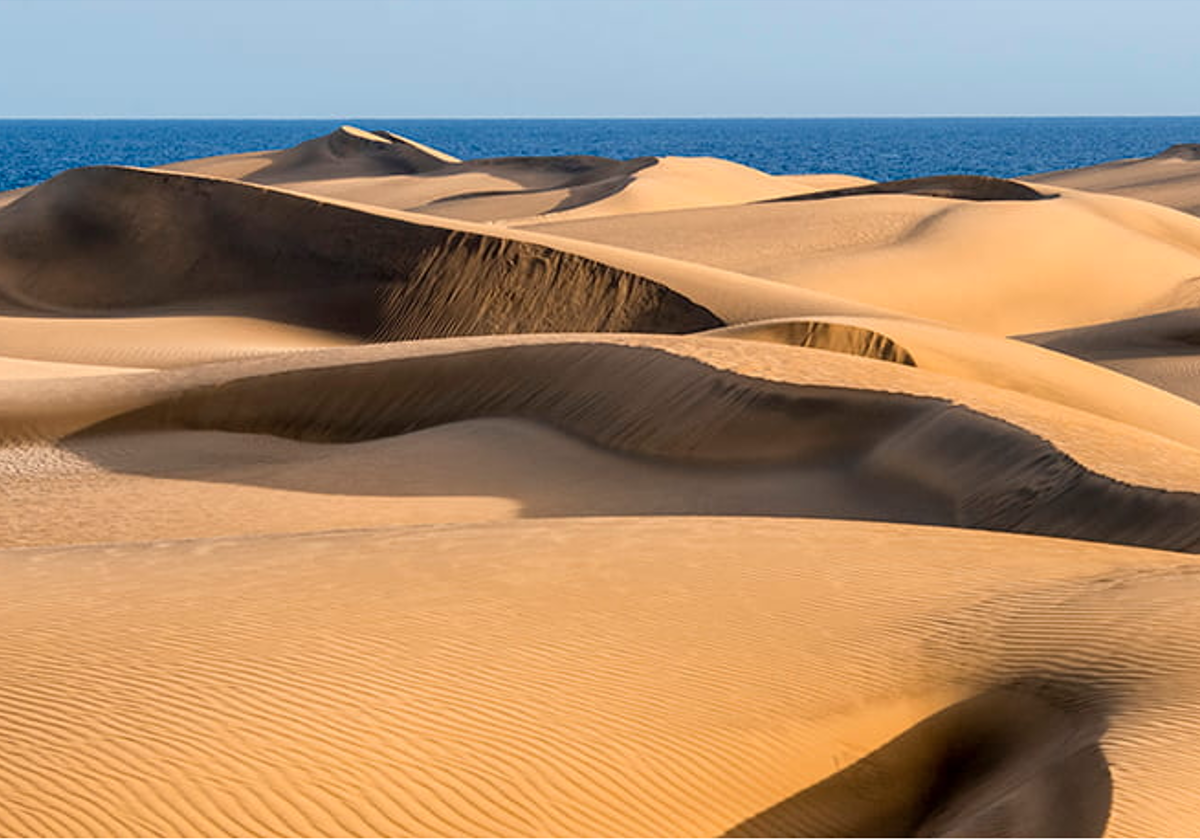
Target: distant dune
<point x="961" y="187"/>
<point x="355" y="489"/>
<point x="1172" y="178"/>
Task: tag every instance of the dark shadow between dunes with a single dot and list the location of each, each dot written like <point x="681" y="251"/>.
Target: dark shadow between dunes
<point x="1016" y="761"/>
<point x="110" y="241"/>
<point x="962" y="187"/>
<point x="985" y="472"/>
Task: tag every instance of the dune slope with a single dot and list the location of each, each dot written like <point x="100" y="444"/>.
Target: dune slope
<point x="386" y="170"/>
<point x="114" y="240"/>
<point x="354" y="489"/>
<point x="417" y="681"/>
<point x="1171" y="178"/>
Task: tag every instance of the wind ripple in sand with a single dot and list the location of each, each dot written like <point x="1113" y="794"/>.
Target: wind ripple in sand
<point x="357" y="683"/>
<point x="642" y="402"/>
<point x="273" y="580"/>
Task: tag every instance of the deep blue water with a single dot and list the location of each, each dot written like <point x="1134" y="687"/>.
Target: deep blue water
<point x="882" y="149"/>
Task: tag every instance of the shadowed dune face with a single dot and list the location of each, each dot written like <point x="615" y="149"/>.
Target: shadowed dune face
<point x="1011" y="762"/>
<point x="1161" y="350"/>
<point x="997" y="267"/>
<point x="851" y="561"/>
<point x="839" y="338"/>
<point x="1165" y="334"/>
<point x="1170" y="178"/>
<point x="109" y="240"/>
<point x="350" y="151"/>
<point x="646" y="403"/>
<point x="1181" y="151"/>
<point x="382" y="168"/>
<point x="960" y="187"/>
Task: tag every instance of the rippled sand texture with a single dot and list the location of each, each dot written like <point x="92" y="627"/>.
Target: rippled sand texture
<point x="356" y="489"/>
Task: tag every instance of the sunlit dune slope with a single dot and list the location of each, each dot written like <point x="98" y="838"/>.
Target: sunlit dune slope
<point x="355" y="489"/>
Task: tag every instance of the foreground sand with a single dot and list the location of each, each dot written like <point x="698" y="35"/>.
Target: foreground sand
<point x="354" y="489"/>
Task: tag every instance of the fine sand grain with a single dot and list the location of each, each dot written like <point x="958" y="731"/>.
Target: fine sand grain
<point x="355" y="489"/>
<point x="1172" y="177"/>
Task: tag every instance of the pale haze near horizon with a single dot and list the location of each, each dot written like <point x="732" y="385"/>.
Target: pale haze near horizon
<point x="597" y="58"/>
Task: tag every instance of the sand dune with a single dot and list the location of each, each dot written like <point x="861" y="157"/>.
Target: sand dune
<point x="113" y="240"/>
<point x="960" y="187"/>
<point x="354" y="489"/>
<point x="999" y="362"/>
<point x="835" y="434"/>
<point x="386" y="170"/>
<point x="345" y="153"/>
<point x="1161" y="350"/>
<point x="414" y="681"/>
<point x="1017" y="266"/>
<point x="1172" y="177"/>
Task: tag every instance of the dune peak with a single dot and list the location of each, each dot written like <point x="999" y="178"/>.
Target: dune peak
<point x="352" y="489"/>
<point x="961" y="187"/>
<point x="1180" y="151"/>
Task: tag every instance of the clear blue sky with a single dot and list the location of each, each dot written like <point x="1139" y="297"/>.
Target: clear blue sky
<point x="513" y="58"/>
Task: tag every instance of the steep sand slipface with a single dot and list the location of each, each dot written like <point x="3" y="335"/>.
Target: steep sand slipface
<point x="854" y="438"/>
<point x="536" y="562"/>
<point x="110" y="240"/>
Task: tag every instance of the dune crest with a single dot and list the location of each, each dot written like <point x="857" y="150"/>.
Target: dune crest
<point x="999" y="267"/>
<point x="114" y="240"/>
<point x="959" y="187"/>
<point x="346" y="152"/>
<point x="387" y="170"/>
<point x="1171" y="178"/>
<point x="353" y="489"/>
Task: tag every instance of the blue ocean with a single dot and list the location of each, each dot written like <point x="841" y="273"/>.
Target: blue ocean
<point x="881" y="149"/>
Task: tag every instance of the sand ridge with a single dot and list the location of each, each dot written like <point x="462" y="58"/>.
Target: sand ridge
<point x="1171" y="178"/>
<point x="356" y="489"/>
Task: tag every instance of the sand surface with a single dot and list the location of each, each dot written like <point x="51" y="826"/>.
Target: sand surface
<point x="354" y="489"/>
<point x="1171" y="177"/>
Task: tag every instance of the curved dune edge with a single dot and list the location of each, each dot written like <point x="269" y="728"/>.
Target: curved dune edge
<point x="65" y="407"/>
<point x="347" y="151"/>
<point x="995" y="267"/>
<point x="638" y="537"/>
<point x="1003" y="363"/>
<point x="229" y="248"/>
<point x="117" y="240"/>
<point x="647" y="403"/>
<point x="387" y="170"/>
<point x="1036" y="769"/>
<point x="679" y="183"/>
<point x="958" y="187"/>
<point x="1162" y="350"/>
<point x="335" y="701"/>
<point x="1170" y="178"/>
<point x="838" y="337"/>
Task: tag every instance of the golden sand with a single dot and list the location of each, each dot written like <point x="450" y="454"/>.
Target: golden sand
<point x="355" y="489"/>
